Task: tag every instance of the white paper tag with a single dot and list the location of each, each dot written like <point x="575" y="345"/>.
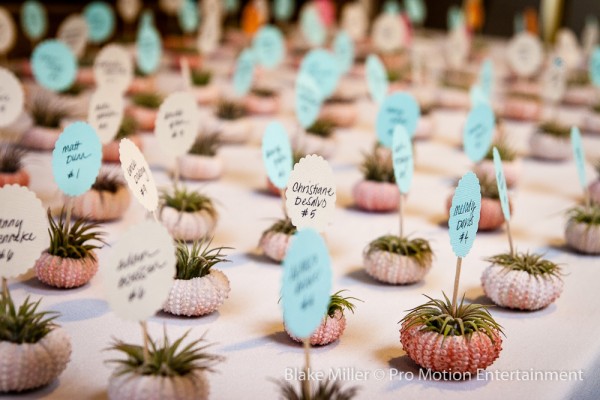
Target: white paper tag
<point x="177" y="123"/>
<point x="129" y="9"/>
<point x="12" y="97"/>
<point x="105" y="114"/>
<point x="567" y="48"/>
<point x="457" y="47"/>
<point x="140" y="272"/>
<point x="113" y="68"/>
<point x="138" y="175"/>
<point x="23" y="230"/>
<point x="555" y="80"/>
<point x="74" y="32"/>
<point x="354" y="21"/>
<point x="209" y="34"/>
<point x="8" y="31"/>
<point x="525" y="54"/>
<point x="389" y="33"/>
<point x="311" y="194"/>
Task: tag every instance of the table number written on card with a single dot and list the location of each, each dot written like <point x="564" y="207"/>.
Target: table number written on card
<point x="464" y="214"/>
<point x="277" y="154"/>
<point x="478" y="131"/>
<point x="138" y="175"/>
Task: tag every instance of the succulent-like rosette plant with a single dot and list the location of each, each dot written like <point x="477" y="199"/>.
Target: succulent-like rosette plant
<point x="201" y="162"/>
<point x="107" y="199"/>
<point x="550" y="141"/>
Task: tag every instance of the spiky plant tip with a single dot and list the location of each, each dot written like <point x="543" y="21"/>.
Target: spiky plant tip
<point x="76" y="239"/>
<point x="324" y="390"/>
<point x="505" y="150"/>
<point x="418" y="249"/>
<point x="489" y="188"/>
<point x="321" y="128"/>
<point x="377" y="169"/>
<point x="165" y="359"/>
<point x="46" y="111"/>
<point x="199" y="260"/>
<point x="533" y="264"/>
<point x="338" y="302"/>
<point x="206" y="144"/>
<point x="201" y="77"/>
<point x="230" y="110"/>
<point x="589" y="215"/>
<point x="129" y="127"/>
<point x="150" y="100"/>
<point x="284" y="226"/>
<point x="11" y="158"/>
<point x="555" y="129"/>
<point x="24" y="324"/>
<point x="185" y="200"/>
<point x="108" y="182"/>
<point x="439" y="316"/>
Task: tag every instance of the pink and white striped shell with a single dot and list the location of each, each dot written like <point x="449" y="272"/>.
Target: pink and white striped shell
<point x="40" y="138"/>
<point x="486" y="170"/>
<point x="65" y="273"/>
<point x="31" y="365"/>
<point x="313" y="144"/>
<point x="594" y="191"/>
<point x="85" y="76"/>
<point x="394" y="268"/>
<point x="520" y="289"/>
<point x="110" y="151"/>
<point x="583" y="237"/>
<point x="343" y="115"/>
<point x="275" y="245"/>
<point x="376" y="196"/>
<point x="145" y="117"/>
<point x="193" y="386"/>
<point x="206" y="94"/>
<point x="548" y="147"/>
<point x="197" y="167"/>
<point x="261" y="105"/>
<point x="520" y="109"/>
<point x="101" y="205"/>
<point x="457" y="354"/>
<point x="330" y="330"/>
<point x="188" y="226"/>
<point x="198" y="296"/>
<point x="141" y="84"/>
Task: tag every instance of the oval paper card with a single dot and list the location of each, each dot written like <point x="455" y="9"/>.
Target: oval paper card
<point x="54" y="65"/>
<point x="8" y="31"/>
<point x="177" y="123"/>
<point x="34" y="19"/>
<point x="323" y="67"/>
<point x="244" y="72"/>
<point x="138" y="175"/>
<point x="269" y="47"/>
<point x="113" y="68"/>
<point x="464" y="214"/>
<point x="343" y="48"/>
<point x="100" y="18"/>
<point x="594" y="66"/>
<point x="501" y="182"/>
<point x="277" y="154"/>
<point x="105" y="114"/>
<point x="377" y="79"/>
<point x="525" y="54"/>
<point x="478" y="131"/>
<point x="403" y="158"/>
<point x="579" y="155"/>
<point x="148" y="49"/>
<point x="311" y="26"/>
<point x="76" y="158"/>
<point x="140" y="271"/>
<point x="307" y="100"/>
<point x="306" y="286"/>
<point x="12" y="97"/>
<point x="397" y="109"/>
<point x="311" y="194"/>
<point x="23" y="230"/>
<point x="73" y="31"/>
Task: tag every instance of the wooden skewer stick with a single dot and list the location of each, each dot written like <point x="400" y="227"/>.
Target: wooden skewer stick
<point x="510" y="241"/>
<point x="456" y="280"/>
<point x="400" y="212"/>
<point x="306" y="381"/>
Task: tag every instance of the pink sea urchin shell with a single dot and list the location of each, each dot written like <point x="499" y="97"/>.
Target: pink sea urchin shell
<point x="548" y="147"/>
<point x="65" y="273"/>
<point x="198" y="296"/>
<point x="102" y="205"/>
<point x="30" y="365"/>
<point x="456" y="354"/>
<point x="197" y="167"/>
<point x="376" y="196"/>
<point x="188" y="226"/>
<point x="520" y="289"/>
<point x="193" y="386"/>
<point x="594" y="190"/>
<point x="394" y="268"/>
<point x="330" y="330"/>
<point x="275" y="244"/>
<point x="583" y="237"/>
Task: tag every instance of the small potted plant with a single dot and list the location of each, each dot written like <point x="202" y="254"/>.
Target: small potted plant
<point x="511" y="164"/>
<point x="35" y="350"/>
<point x="166" y="371"/>
<point x="318" y="139"/>
<point x="262" y="101"/>
<point x="399" y="79"/>
<point x="594" y="187"/>
<point x="521" y="106"/>
<point x="144" y="109"/>
<point x="129" y="130"/>
<point x="189" y="53"/>
<point x="198" y="289"/>
<point x="398" y="260"/>
<point x="107" y="199"/>
<point x="583" y="229"/>
<point x="551" y="141"/>
<point x="12" y="171"/>
<point x="188" y="215"/>
<point x="202" y="161"/>
<point x="276" y="240"/>
<point x="339" y="110"/>
<point x="203" y="87"/>
<point x="47" y="114"/>
<point x="323" y="389"/>
<point x="442" y="338"/>
<point x="334" y="323"/>
<point x="230" y="122"/>
<point x="70" y="261"/>
<point x="522" y="281"/>
<point x="378" y="190"/>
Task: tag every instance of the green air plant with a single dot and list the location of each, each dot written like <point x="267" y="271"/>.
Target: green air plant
<point x="23" y="324"/>
<point x="533" y="264"/>
<point x="188" y="201"/>
<point x="339" y="100"/>
<point x="321" y="128"/>
<point x="521" y="95"/>
<point x="324" y="390"/>
<point x="75" y="90"/>
<point x="47" y="112"/>
<point x="579" y="77"/>
<point x="230" y="110"/>
<point x="340" y="303"/>
<point x="206" y="144"/>
<point x="418" y="249"/>
<point x="284" y="226"/>
<point x="596" y="108"/>
<point x="201" y="77"/>
<point x="108" y="182"/>
<point x="489" y="188"/>
<point x="555" y="129"/>
<point x="77" y="240"/>
<point x="198" y="261"/>
<point x="439" y="316"/>
<point x="505" y="150"/>
<point x="263" y="92"/>
<point x="378" y="169"/>
<point x="164" y="359"/>
<point x="586" y="215"/>
<point x="11" y="158"/>
<point x="150" y="100"/>
<point x="129" y="127"/>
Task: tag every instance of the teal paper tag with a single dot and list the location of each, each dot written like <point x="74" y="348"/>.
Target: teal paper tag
<point x="416" y="11"/>
<point x="377" y="79"/>
<point x="283" y="9"/>
<point x="34" y="19"/>
<point x="54" y="65"/>
<point x="312" y="27"/>
<point x="188" y="16"/>
<point x="486" y="78"/>
<point x="455" y="17"/>
<point x="595" y="66"/>
<point x="323" y="67"/>
<point x="76" y="158"/>
<point x="478" y="131"/>
<point x="464" y="214"/>
<point x="477" y="96"/>
<point x="392" y="7"/>
<point x="501" y="182"/>
<point x="306" y="285"/>
<point x="148" y="48"/>
<point x="100" y="19"/>
<point x="146" y="20"/>
<point x="397" y="109"/>
<point x="269" y="47"/>
<point x="579" y="156"/>
<point x="277" y="154"/>
<point x="343" y="48"/>
<point x="244" y="72"/>
<point x="402" y="156"/>
<point x="307" y="100"/>
<point x="518" y="23"/>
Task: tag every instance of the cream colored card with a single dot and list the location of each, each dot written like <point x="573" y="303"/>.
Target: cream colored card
<point x="138" y="175"/>
<point x="113" y="68"/>
<point x="12" y="97"/>
<point x="177" y="123"/>
<point x="105" y="114"/>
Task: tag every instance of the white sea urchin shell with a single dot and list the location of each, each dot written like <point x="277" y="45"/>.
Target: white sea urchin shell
<point x="394" y="268"/>
<point x="198" y="296"/>
<point x="193" y="386"/>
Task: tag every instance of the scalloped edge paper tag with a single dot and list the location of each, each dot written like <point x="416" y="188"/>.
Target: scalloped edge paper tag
<point x="138" y="175"/>
<point x="464" y="214"/>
